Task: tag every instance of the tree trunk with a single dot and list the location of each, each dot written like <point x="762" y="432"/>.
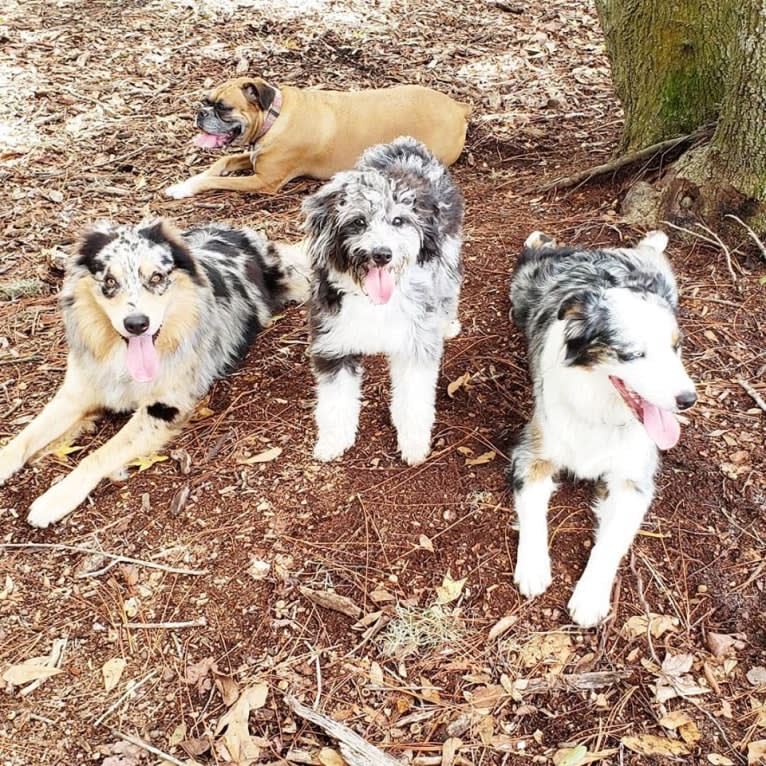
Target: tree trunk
<point x="669" y="63"/>
<point x="678" y="65"/>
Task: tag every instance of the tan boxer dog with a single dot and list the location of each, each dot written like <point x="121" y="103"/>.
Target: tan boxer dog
<point x="289" y="132"/>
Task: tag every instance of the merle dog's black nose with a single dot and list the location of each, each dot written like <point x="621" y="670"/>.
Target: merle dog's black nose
<point x="381" y="255"/>
<point x="686" y="399"/>
<point x="136" y="324"/>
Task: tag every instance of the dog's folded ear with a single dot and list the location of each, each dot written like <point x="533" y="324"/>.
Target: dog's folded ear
<point x="259" y="92"/>
<point x="587" y="328"/>
<point x="92" y="242"/>
<point x="321" y="222"/>
<point x="162" y="232"/>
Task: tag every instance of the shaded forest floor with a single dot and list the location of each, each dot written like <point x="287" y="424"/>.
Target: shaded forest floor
<point x="97" y="116"/>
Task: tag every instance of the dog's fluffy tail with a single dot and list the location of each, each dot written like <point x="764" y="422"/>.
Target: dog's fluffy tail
<point x="294" y="260"/>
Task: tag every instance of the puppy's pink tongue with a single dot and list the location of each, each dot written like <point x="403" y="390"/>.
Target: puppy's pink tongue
<point x="379" y="284"/>
<point x="143" y="361"/>
<point x="661" y="425"/>
<point x="209" y="140"/>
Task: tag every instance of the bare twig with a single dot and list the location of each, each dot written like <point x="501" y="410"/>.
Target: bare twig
<point x="200" y="622"/>
<point x="357" y="751"/>
<point x="752" y="393"/>
<point x="624" y="160"/>
<point x="133" y="689"/>
<point x="138" y="742"/>
<point x="91" y="552"/>
<point x="752" y="234"/>
<point x="716" y="240"/>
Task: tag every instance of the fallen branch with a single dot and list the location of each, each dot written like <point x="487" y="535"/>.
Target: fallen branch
<point x="357" y="751"/>
<point x="622" y="161"/>
<point x="91" y="552"/>
<point x="200" y="622"/>
<point x="576" y="681"/>
<point x="752" y="393"/>
<point x="132" y="690"/>
<point x="751" y="233"/>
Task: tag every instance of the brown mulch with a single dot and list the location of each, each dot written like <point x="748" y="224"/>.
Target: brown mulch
<point x="97" y="104"/>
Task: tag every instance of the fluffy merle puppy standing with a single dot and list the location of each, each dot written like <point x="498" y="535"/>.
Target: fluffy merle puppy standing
<point x="605" y="361"/>
<point x="384" y="241"/>
<point x="153" y="316"/>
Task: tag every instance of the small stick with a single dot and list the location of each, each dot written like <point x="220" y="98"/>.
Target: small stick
<point x="355" y="750"/>
<point x="715" y="241"/>
<point x="621" y="162"/>
<point x="116" y="557"/>
<point x="752" y="234"/>
<point x="122" y="698"/>
<point x="200" y="622"/>
<point x="138" y="742"/>
<point x="754" y="395"/>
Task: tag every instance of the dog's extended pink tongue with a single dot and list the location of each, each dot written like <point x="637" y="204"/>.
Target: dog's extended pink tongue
<point x="661" y="425"/>
<point x="143" y="361"/>
<point x="207" y="140"/>
<point x="379" y="284"/>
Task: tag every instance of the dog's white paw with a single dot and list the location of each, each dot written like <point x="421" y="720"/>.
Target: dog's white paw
<point x="588" y="606"/>
<point x="415" y="446"/>
<point x="180" y="190"/>
<point x="10" y="462"/>
<point x="453" y="329"/>
<point x="327" y="449"/>
<point x="533" y="574"/>
<point x="60" y="500"/>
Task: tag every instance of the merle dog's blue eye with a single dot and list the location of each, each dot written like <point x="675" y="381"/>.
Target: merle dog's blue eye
<point x="636" y="355"/>
<point x="397" y="221"/>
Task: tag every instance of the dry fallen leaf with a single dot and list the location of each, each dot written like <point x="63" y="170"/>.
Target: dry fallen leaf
<point x="227" y="687"/>
<point x="32" y="669"/>
<point x="458" y="383"/>
<point x="721" y="644"/>
<point x="112" y="672"/>
<point x="550" y="649"/>
<point x="425" y="542"/>
<point x="570" y="756"/>
<point x="123" y="754"/>
<point x="660" y="623"/>
<point x="178" y="735"/>
<point x="449" y="590"/>
<point x="262" y="457"/>
<point x="502" y="625"/>
<point x="719" y="760"/>
<point x="147" y="461"/>
<point x="650" y="744"/>
<point x="329" y="757"/>
<point x="63" y="450"/>
<point x="450" y="750"/>
<point x="376" y="674"/>
<point x="756" y="752"/>
<point x="756" y="675"/>
<point x="331" y="600"/>
<point x="683" y="723"/>
<point x="233" y="726"/>
<point x="485" y="457"/>
<point x="198" y="674"/>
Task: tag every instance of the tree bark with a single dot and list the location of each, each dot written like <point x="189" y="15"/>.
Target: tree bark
<point x="669" y="63"/>
<point x="678" y="65"/>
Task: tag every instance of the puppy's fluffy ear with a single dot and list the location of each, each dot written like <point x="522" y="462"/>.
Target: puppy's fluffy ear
<point x="321" y="224"/>
<point x="162" y="232"/>
<point x="587" y="330"/>
<point x="259" y="92"/>
<point x="92" y="242"/>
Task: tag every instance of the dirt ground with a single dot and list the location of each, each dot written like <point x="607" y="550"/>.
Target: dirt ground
<point x="342" y="584"/>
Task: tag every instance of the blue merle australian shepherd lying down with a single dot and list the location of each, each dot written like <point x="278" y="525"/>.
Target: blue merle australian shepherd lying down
<point x="605" y="361"/>
<point x="153" y="316"/>
<point x="384" y="241"/>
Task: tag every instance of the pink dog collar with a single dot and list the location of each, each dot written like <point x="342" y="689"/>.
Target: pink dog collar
<point x="271" y="115"/>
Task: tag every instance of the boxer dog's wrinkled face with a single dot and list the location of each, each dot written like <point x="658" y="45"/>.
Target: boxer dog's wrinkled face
<point x="233" y="113"/>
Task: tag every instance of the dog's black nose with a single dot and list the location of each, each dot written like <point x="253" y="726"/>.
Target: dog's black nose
<point x="136" y="324"/>
<point x="382" y="255"/>
<point x="685" y="400"/>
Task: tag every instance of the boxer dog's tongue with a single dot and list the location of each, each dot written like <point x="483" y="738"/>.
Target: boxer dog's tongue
<point x="661" y="425"/>
<point x="143" y="361"/>
<point x="379" y="284"/>
<point x="210" y="140"/>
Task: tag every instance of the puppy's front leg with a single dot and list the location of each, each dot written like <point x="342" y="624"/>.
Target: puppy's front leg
<point x="147" y="431"/>
<point x="413" y="400"/>
<point x="532" y="479"/>
<point x="70" y="405"/>
<point x="339" y="385"/>
<point x="620" y="516"/>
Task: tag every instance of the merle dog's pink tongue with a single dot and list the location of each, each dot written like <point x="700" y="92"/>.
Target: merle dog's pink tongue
<point x="143" y="361"/>
<point x="661" y="425"/>
<point x="379" y="284"/>
<point x="209" y="140"/>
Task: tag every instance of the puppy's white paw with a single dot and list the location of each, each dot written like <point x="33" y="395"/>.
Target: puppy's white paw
<point x="453" y="329"/>
<point x="533" y="574"/>
<point x="180" y="190"/>
<point x="588" y="606"/>
<point x="415" y="446"/>
<point x="10" y="462"/>
<point x="330" y="448"/>
<point x="60" y="500"/>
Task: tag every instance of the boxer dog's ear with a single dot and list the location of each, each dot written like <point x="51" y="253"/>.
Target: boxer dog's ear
<point x="259" y="93"/>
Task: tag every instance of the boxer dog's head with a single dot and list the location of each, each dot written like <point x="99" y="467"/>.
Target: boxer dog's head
<point x="234" y="112"/>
